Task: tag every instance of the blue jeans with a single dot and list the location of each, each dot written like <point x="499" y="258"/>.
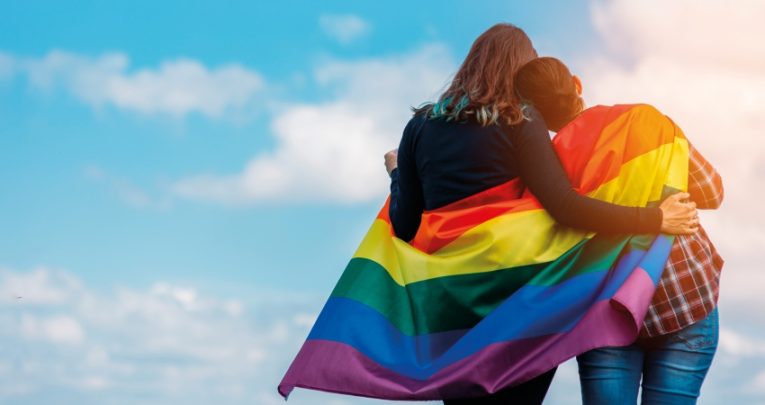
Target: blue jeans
<point x="672" y="367"/>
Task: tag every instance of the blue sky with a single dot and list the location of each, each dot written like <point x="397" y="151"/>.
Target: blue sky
<point x="187" y="166"/>
<point x="50" y="139"/>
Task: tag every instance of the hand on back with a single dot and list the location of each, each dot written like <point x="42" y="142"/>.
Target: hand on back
<point x="679" y="216"/>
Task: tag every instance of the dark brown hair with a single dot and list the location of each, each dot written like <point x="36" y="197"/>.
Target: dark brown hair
<point x="549" y="85"/>
<point x="483" y="88"/>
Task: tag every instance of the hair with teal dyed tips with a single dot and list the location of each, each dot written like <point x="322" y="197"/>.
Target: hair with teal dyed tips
<point x="482" y="88"/>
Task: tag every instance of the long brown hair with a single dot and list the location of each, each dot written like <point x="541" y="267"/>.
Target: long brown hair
<point x="549" y="85"/>
<point x="483" y="87"/>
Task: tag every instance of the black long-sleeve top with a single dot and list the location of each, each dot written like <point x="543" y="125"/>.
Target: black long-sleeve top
<point x="440" y="162"/>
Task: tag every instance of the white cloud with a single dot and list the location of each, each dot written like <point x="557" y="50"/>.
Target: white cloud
<point x="304" y="319"/>
<point x="738" y="344"/>
<point x="162" y="344"/>
<point x="94" y="383"/>
<point x="57" y="329"/>
<point x="344" y="28"/>
<point x="707" y="32"/>
<point x="332" y="151"/>
<point x="36" y="287"/>
<point x="176" y="87"/>
<point x="758" y="383"/>
<point x="153" y="340"/>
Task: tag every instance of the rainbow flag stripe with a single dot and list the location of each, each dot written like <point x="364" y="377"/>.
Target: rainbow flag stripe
<point x="492" y="292"/>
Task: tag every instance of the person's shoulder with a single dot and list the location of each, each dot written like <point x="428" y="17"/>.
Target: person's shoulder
<point x="416" y="121"/>
<point x="635" y="113"/>
<point x="414" y="127"/>
<point x="641" y="110"/>
<point x="647" y="114"/>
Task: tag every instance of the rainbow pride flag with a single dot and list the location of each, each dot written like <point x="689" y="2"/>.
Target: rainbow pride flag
<point x="492" y="291"/>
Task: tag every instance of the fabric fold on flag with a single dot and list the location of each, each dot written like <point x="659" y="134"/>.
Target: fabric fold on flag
<point x="492" y="292"/>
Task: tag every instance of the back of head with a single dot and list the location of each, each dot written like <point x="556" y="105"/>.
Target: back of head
<point x="482" y="88"/>
<point x="549" y="85"/>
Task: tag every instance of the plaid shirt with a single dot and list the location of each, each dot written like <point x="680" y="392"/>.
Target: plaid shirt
<point x="689" y="286"/>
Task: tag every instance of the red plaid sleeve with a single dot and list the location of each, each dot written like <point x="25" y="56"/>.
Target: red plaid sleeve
<point x="704" y="183"/>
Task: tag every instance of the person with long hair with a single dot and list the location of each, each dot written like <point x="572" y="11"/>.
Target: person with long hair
<point x="679" y="335"/>
<point x="478" y="135"/>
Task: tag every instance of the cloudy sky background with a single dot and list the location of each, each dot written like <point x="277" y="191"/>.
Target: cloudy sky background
<point x="182" y="184"/>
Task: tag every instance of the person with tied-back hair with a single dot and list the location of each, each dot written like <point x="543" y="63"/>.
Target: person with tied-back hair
<point x="680" y="332"/>
<point x="478" y="135"/>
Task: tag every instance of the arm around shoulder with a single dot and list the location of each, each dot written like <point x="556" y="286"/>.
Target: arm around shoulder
<point x="543" y="173"/>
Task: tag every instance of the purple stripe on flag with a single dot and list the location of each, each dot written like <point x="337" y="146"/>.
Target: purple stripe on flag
<point x="345" y="370"/>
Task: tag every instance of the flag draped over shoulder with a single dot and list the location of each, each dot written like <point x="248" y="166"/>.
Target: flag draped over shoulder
<point x="492" y="291"/>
